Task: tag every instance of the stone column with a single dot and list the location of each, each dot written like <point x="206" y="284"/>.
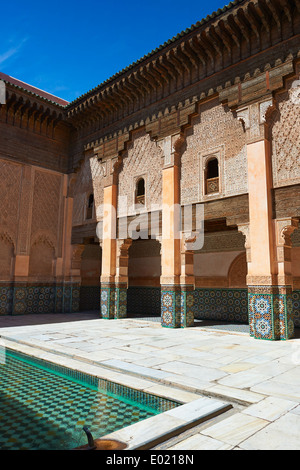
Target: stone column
<point x="170" y="240"/>
<point x="109" y="247"/>
<point x="187" y="282"/>
<point x="121" y="279"/>
<point x="268" y="286"/>
<point x="283" y="306"/>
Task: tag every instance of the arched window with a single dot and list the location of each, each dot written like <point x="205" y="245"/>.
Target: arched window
<point x="212" y="176"/>
<point x="90" y="207"/>
<point x="140" y="191"/>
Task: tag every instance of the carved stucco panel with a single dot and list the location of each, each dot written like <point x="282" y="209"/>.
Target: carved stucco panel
<point x="286" y="139"/>
<point x="11" y="176"/>
<point x="143" y="158"/>
<point x="214" y="128"/>
<point x="89" y="180"/>
<point x="46" y="204"/>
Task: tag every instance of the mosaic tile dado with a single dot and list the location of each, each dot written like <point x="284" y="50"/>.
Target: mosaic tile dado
<point x="144" y="300"/>
<point x="271" y="315"/>
<point x="6" y="299"/>
<point x="271" y="312"/>
<point x="121" y="301"/>
<point x="171" y="306"/>
<point x="89" y="298"/>
<point x="108" y="301"/>
<point x="221" y="304"/>
<point x="187" y="306"/>
<point x="210" y="304"/>
<point x="296" y="307"/>
<point x="23" y="299"/>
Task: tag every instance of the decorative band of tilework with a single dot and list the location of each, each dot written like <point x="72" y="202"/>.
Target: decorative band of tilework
<point x="19" y="299"/>
<point x="271" y="312"/>
<point x="113" y="301"/>
<point x="221" y="304"/>
<point x="121" y="301"/>
<point x="171" y="306"/>
<point x="187" y="306"/>
<point x="6" y="298"/>
<point x="89" y="298"/>
<point x="108" y="293"/>
<point x="144" y="300"/>
<point x="296" y="307"/>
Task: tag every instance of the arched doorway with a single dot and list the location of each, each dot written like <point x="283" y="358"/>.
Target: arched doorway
<point x="144" y="271"/>
<point x="220" y="268"/>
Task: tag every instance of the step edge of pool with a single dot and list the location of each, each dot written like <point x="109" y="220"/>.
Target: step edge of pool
<point x="209" y="392"/>
<point x="158" y="429"/>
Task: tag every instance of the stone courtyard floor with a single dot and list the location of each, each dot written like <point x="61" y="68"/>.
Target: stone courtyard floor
<point x="259" y="379"/>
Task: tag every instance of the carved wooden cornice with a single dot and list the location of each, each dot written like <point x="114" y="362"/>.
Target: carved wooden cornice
<point x="28" y="111"/>
<point x="232" y="35"/>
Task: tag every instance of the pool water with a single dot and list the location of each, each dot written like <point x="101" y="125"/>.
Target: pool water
<point x="44" y="406"/>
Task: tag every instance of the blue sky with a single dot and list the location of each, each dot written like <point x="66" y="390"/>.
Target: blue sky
<point x="68" y="47"/>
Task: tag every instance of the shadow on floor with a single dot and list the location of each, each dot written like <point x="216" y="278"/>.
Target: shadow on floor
<point x="48" y="318"/>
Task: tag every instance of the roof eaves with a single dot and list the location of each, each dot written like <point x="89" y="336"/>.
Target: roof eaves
<point x="200" y="23"/>
<point x="18" y="87"/>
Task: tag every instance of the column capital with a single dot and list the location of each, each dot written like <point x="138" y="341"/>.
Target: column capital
<point x="245" y="230"/>
<point x="122" y="261"/>
<point x="187" y="277"/>
<point x="76" y="253"/>
<point x="284" y="228"/>
<point x="255" y="118"/>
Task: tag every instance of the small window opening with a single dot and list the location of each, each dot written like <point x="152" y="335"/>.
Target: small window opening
<point x="212" y="176"/>
<point x="140" y="191"/>
<point x="90" y="207"/>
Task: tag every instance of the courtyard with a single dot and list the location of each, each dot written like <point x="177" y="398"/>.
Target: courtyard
<point x="256" y="382"/>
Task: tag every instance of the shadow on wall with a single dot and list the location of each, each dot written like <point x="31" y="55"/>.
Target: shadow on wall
<point x="90" y="278"/>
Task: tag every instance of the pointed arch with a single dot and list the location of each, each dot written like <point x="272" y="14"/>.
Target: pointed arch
<point x="237" y="272"/>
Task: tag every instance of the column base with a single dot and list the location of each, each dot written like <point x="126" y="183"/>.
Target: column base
<point x="107" y="301"/>
<point x="30" y="297"/>
<point x="121" y="301"/>
<point x="187" y="306"/>
<point x="113" y="301"/>
<point x="171" y="306"/>
<point x="177" y="306"/>
<point x="271" y="312"/>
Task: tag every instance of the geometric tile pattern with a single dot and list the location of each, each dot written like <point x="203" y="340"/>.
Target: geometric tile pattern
<point x="108" y="292"/>
<point x="187" y="306"/>
<point x="89" y="298"/>
<point x="296" y="307"/>
<point x="121" y="301"/>
<point x="203" y="303"/>
<point x="271" y="312"/>
<point x="221" y="304"/>
<point x="6" y="296"/>
<point x="32" y="298"/>
<point x="171" y="306"/>
<point x="43" y="408"/>
<point x="144" y="300"/>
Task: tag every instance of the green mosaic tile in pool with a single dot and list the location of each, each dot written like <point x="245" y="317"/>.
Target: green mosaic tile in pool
<point x="44" y="406"/>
